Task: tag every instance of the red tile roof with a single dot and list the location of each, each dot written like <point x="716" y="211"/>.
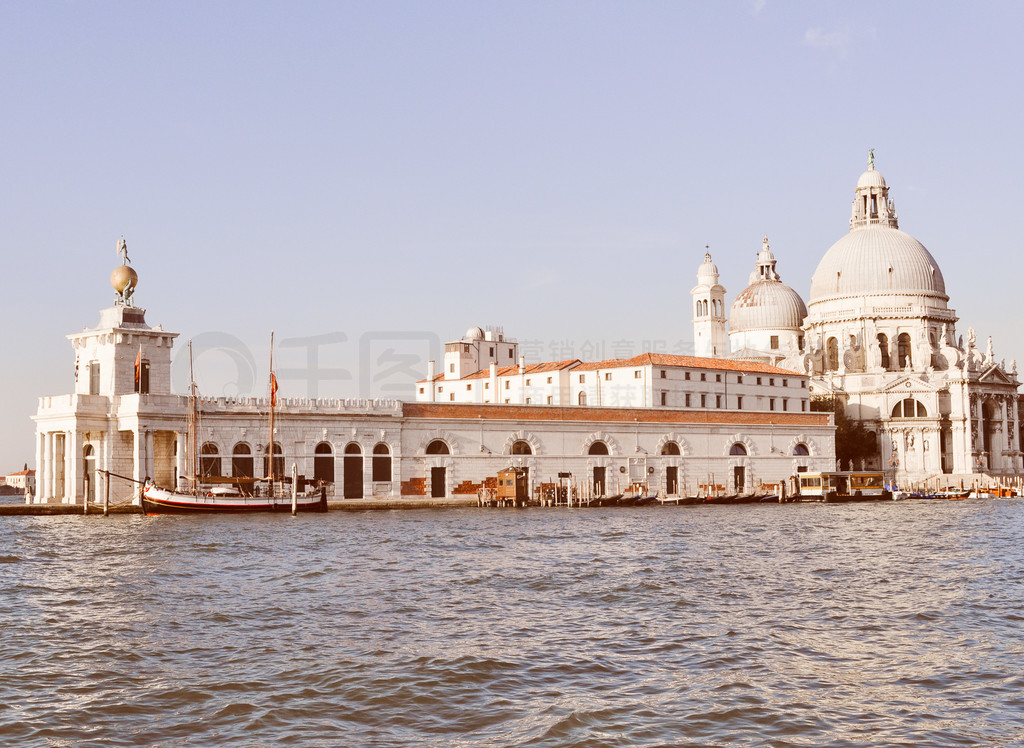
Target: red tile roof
<point x="691" y="362"/>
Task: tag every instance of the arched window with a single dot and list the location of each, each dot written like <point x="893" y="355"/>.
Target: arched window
<point x="381" y="463"/>
<point x="705" y="307"/>
<point x="737" y="449"/>
<point x="698" y="308"/>
<point x="800" y="450"/>
<point x="438" y="447"/>
<point x="583" y="398"/>
<point x="903" y="358"/>
<point x="598" y="448"/>
<point x="352" y="475"/>
<point x="909" y="408"/>
<point x="278" y="465"/>
<point x="832" y="355"/>
<point x="89" y="455"/>
<point x="670" y="448"/>
<point x="883" y="350"/>
<point x="209" y="462"/>
<point x="521" y="448"/>
<point x="323" y="463"/>
<point x="241" y="466"/>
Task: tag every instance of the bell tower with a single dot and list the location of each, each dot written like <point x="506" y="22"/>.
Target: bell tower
<point x="708" y="312"/>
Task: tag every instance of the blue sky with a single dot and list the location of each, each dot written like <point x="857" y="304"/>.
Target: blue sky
<point x="383" y="175"/>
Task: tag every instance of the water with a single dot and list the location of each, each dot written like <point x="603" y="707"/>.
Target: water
<point x="859" y="624"/>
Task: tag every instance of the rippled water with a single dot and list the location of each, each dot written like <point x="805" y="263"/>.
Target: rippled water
<point x="860" y="624"/>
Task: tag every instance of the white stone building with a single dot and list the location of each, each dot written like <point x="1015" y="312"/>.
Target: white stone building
<point x="878" y="335"/>
<point x="670" y="423"/>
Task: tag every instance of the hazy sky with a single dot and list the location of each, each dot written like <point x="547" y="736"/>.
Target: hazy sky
<point x="383" y="175"/>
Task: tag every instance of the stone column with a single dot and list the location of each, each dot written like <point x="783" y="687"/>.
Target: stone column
<point x="137" y="466"/>
<point x="72" y="477"/>
<point x="45" y="471"/>
<point x="181" y="463"/>
<point x="150" y="465"/>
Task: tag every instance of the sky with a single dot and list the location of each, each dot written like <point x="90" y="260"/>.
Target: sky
<point x="370" y="179"/>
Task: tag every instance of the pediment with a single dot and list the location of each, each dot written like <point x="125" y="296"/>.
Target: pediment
<point x="995" y="375"/>
<point x="909" y="384"/>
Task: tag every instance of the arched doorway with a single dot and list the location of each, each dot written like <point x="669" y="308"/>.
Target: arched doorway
<point x="600" y="472"/>
<point x="278" y="463"/>
<point x="323" y="463"/>
<point x="438" y="475"/>
<point x="89" y="454"/>
<point x="739" y="472"/>
<point x="241" y="467"/>
<point x="353" y="469"/>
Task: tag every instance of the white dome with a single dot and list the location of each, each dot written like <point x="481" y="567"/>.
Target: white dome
<point x="871" y="178"/>
<point x="877" y="260"/>
<point x="707" y="273"/>
<point x="474" y="333"/>
<point x="767" y="305"/>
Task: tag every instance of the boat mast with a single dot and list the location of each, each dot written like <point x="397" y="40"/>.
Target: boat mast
<point x="193" y="426"/>
<point x="273" y="399"/>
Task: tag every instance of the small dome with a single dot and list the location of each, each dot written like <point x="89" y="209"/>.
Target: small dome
<point x="876" y="260"/>
<point x="707" y="273"/>
<point x="767" y="305"/>
<point x="871" y="178"/>
<point x="474" y="333"/>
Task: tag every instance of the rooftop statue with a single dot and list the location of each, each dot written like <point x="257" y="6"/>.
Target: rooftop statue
<point x="122" y="250"/>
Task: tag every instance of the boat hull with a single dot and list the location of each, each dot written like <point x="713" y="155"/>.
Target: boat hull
<point x="159" y="501"/>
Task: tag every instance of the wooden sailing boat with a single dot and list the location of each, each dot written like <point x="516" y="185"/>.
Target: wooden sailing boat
<point x="156" y="500"/>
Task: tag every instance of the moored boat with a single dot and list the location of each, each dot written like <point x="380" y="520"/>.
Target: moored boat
<point x="156" y="500"/>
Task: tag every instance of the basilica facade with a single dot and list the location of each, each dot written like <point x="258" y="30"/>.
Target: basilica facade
<point x="878" y="335"/>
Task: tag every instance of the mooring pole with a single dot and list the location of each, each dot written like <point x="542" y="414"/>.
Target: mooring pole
<point x="295" y="489"/>
<point x="106" y="491"/>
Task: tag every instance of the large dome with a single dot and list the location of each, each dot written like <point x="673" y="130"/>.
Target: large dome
<point x="767" y="305"/>
<point x="877" y="260"/>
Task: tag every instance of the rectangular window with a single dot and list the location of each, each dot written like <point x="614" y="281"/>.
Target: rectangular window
<point x="550" y="399"/>
<point x="607" y="376"/>
<point x="487" y="385"/>
<point x="583" y="378"/>
<point x="440" y="389"/>
<point x="703" y="401"/>
<point x="739" y="403"/>
<point x="465" y="349"/>
<point x="507" y="401"/>
<point x="803" y="405"/>
<point x="142" y="378"/>
<point x="94" y="378"/>
<point x="739" y="379"/>
<point x="759" y="380"/>
<point x="422" y="390"/>
<point x="469" y="387"/>
<point x="528" y="400"/>
<point x="636" y="374"/>
<point x="549" y="380"/>
<point x="718" y="401"/>
<point x="803" y="383"/>
<point x="510" y="353"/>
<point x="703" y="377"/>
<point x="771" y="382"/>
<point x="785" y="404"/>
<point x="687" y="399"/>
<point x="451" y="368"/>
<point x="687" y="376"/>
<point x="450" y="397"/>
<point x="663" y="375"/>
<point x="492" y="350"/>
<point x="775" y="342"/>
<point x="771" y="403"/>
<point x="785" y="383"/>
<point x="664" y="398"/>
<point x="506" y="384"/>
<point x="718" y="377"/>
<point x="527" y="382"/>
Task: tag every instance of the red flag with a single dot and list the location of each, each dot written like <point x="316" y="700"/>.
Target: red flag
<point x="273" y="390"/>
<point x="138" y="367"/>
